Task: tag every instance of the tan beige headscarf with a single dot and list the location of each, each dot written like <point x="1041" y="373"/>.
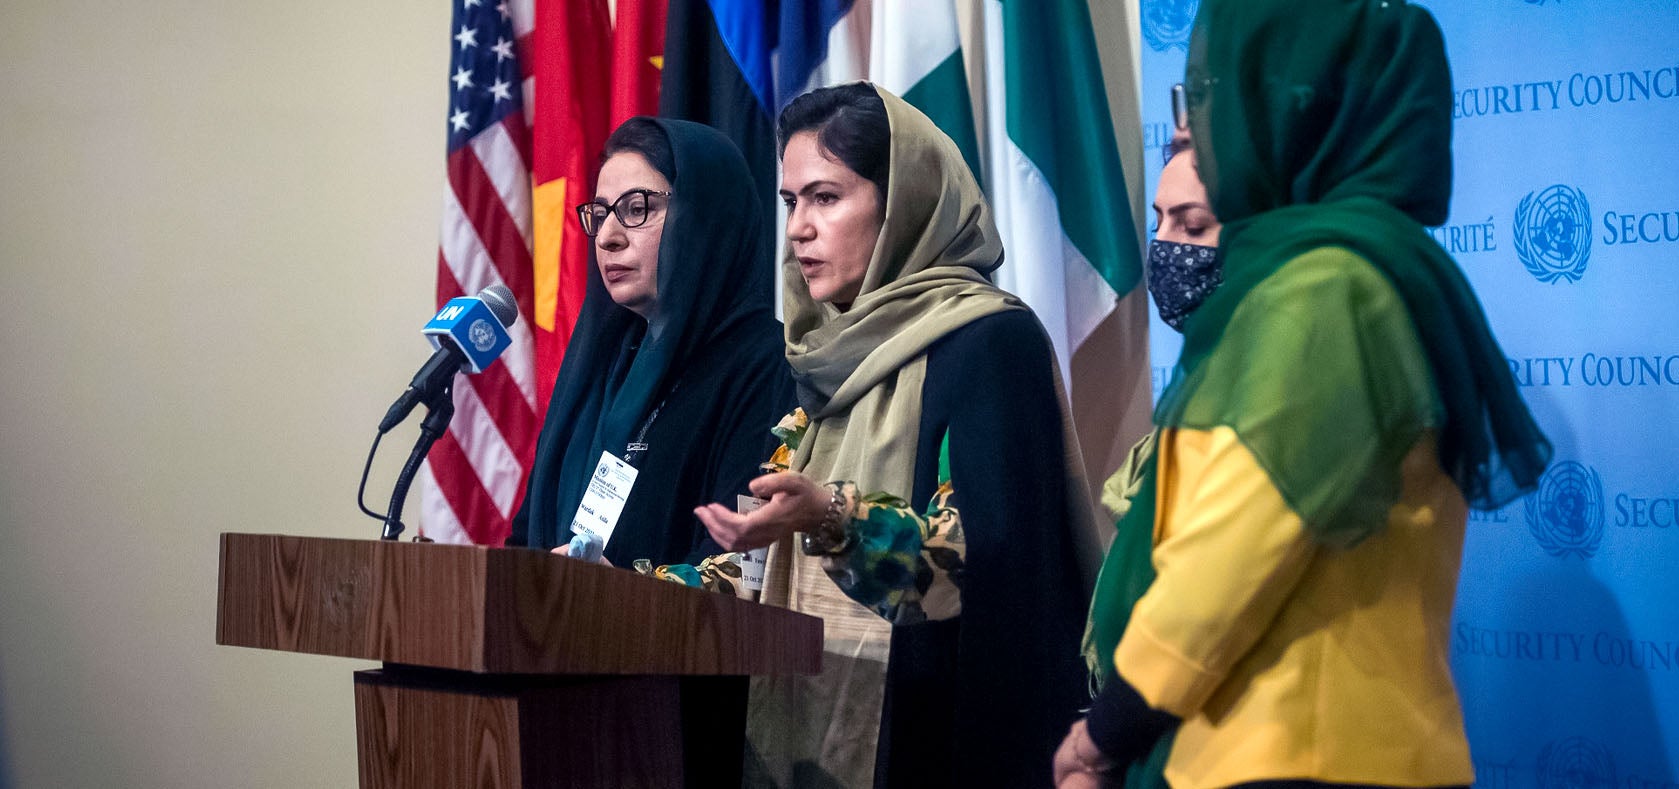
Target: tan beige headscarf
<point x="927" y="278"/>
<point x="860" y="375"/>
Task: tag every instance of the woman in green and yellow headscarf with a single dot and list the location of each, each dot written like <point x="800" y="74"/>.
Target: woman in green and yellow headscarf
<point x="1339" y="403"/>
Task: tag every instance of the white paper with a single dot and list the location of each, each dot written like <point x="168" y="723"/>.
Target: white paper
<point x="603" y="501"/>
<point x="751" y="562"/>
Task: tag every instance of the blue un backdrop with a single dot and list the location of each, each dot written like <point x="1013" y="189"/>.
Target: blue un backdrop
<point x="1565" y="216"/>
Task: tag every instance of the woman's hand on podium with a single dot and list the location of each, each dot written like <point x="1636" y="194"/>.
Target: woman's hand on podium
<point x="565" y="550"/>
<point x="793" y="502"/>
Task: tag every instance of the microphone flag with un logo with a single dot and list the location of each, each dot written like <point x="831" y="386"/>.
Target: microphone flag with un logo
<point x="467" y="323"/>
<point x="468" y="333"/>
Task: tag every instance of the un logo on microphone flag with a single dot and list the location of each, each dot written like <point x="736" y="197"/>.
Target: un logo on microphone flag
<point x="1566" y="513"/>
<point x="482" y="335"/>
<point x="1553" y="233"/>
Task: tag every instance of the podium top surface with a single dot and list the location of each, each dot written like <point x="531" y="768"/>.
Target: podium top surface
<point x="493" y="610"/>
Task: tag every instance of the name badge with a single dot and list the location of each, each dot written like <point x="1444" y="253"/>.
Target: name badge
<point x="603" y="501"/>
<point x="751" y="562"/>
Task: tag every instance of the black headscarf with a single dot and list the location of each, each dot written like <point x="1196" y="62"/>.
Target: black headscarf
<point x="714" y="279"/>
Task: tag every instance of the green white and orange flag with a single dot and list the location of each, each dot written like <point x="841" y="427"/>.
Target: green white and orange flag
<point x="1051" y="167"/>
<point x="1065" y="212"/>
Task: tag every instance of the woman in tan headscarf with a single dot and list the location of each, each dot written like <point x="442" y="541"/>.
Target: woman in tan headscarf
<point x="931" y="509"/>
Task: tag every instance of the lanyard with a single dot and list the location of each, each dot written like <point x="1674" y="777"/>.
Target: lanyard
<point x="635" y="448"/>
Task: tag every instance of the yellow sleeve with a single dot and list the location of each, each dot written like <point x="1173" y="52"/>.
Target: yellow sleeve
<point x="1228" y="552"/>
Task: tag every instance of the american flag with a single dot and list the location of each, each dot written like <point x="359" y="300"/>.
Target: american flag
<point x="475" y="475"/>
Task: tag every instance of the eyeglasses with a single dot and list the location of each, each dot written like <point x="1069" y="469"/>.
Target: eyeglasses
<point x="633" y="209"/>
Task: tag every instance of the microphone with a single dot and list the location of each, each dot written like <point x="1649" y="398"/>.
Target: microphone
<point x="469" y="333"/>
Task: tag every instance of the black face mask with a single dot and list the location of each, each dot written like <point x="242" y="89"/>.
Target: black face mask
<point x="1180" y="277"/>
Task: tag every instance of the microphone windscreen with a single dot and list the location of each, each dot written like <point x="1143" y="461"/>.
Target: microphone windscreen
<point x="500" y="301"/>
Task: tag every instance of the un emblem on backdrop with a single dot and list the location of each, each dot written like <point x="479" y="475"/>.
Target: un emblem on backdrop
<point x="1575" y="763"/>
<point x="1553" y="233"/>
<point x="1166" y="23"/>
<point x="1566" y="513"/>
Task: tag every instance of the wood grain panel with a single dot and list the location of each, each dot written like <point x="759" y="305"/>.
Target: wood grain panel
<point x="425" y="736"/>
<point x="578" y="618"/>
<point x="493" y="610"/>
<point x="424" y="728"/>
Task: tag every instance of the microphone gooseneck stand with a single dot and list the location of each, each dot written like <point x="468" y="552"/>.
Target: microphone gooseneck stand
<point x="440" y="408"/>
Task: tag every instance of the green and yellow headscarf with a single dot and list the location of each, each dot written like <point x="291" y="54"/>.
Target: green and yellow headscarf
<point x="1327" y="123"/>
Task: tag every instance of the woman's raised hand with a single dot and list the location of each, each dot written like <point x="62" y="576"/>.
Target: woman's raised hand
<point x="793" y="502"/>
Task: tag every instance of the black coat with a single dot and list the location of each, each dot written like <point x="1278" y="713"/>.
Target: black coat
<point x="984" y="699"/>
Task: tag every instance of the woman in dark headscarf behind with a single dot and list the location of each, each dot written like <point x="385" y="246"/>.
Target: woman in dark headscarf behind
<point x="676" y="363"/>
<point x="1339" y="400"/>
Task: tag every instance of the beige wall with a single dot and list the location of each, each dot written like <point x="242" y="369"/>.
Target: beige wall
<point x="217" y="229"/>
<point x="218" y="223"/>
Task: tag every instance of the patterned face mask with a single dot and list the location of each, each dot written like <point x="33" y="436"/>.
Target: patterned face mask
<point x="1180" y="277"/>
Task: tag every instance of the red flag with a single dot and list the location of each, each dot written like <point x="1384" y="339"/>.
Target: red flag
<point x="570" y="50"/>
<point x="520" y="156"/>
<point x="638" y="55"/>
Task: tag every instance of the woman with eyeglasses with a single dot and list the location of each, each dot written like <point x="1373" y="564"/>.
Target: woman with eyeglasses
<point x="931" y="503"/>
<point x="675" y="368"/>
<point x="1338" y="405"/>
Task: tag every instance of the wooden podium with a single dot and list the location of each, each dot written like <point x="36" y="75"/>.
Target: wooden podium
<point x="508" y="667"/>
